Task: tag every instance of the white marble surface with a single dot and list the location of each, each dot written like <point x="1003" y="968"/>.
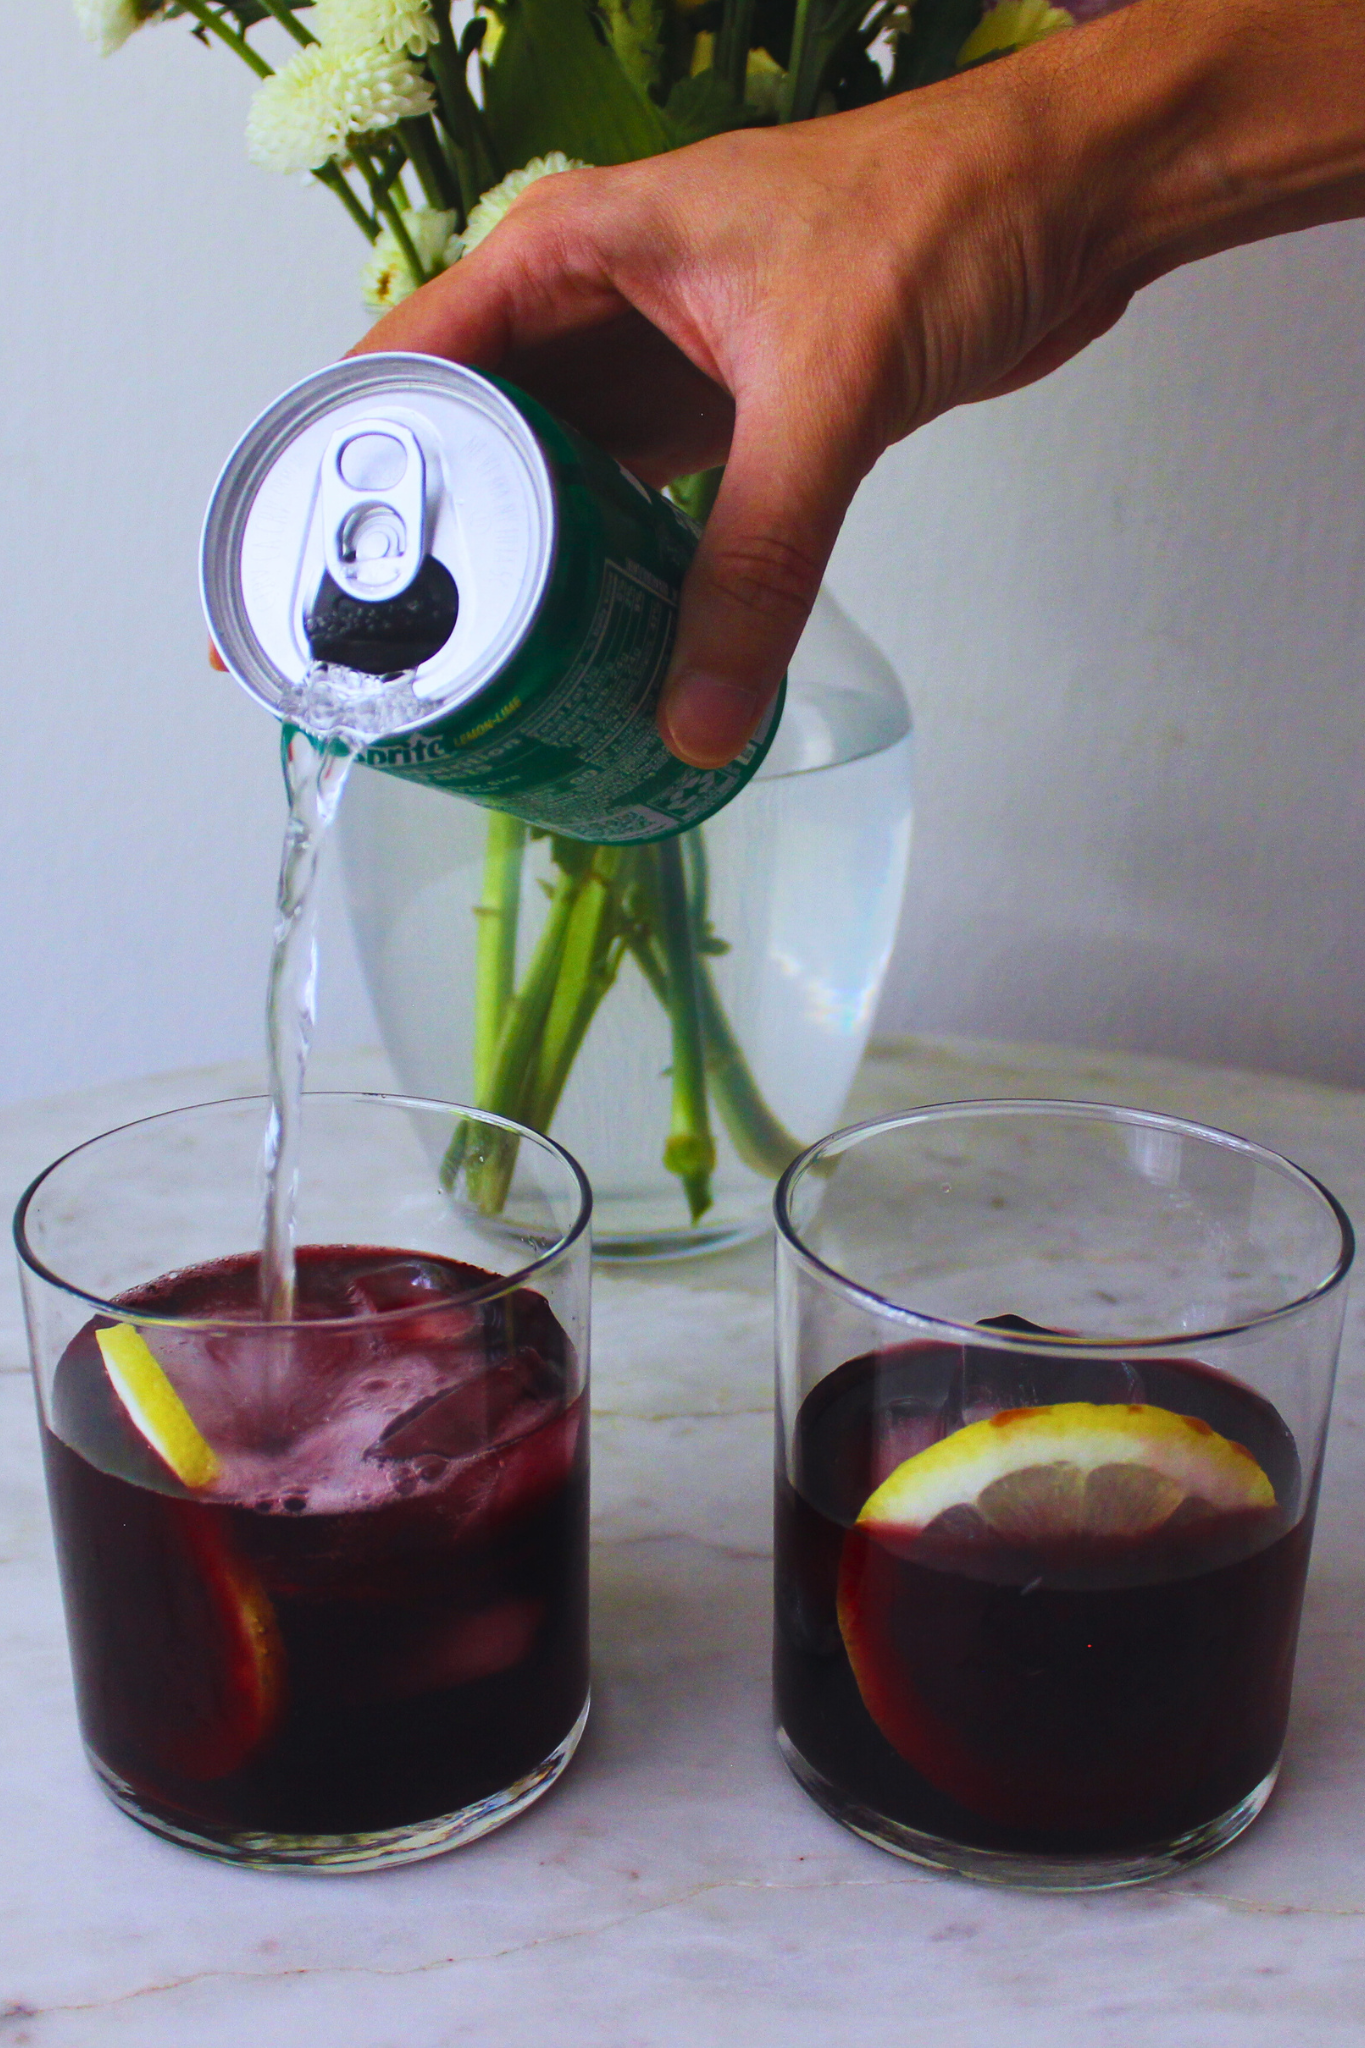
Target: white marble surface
<point x="677" y="1890"/>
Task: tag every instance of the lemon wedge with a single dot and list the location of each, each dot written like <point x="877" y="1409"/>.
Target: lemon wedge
<point x="1074" y="1468"/>
<point x="154" y="1407"/>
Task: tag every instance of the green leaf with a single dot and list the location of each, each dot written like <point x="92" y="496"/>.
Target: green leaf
<point x="705" y="105"/>
<point x="636" y="32"/>
<point x="554" y="84"/>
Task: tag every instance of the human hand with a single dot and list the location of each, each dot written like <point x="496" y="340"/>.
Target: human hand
<point x="790" y="301"/>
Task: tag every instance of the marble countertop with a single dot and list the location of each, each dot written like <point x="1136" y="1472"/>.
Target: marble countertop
<point x="678" y="1890"/>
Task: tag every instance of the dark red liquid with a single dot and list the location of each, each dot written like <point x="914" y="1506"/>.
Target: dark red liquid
<point x="1033" y="1703"/>
<point x="378" y="1613"/>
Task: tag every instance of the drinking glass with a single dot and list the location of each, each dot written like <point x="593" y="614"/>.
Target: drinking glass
<point x="326" y="1578"/>
<point x="1053" y="1383"/>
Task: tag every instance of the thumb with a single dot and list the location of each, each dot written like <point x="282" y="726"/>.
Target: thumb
<point x="753" y="581"/>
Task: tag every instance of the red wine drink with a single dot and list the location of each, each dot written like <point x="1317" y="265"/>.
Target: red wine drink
<point x="1034" y="1690"/>
<point x="325" y="1578"/>
<point x="1052" y="1394"/>
<point x="375" y="1614"/>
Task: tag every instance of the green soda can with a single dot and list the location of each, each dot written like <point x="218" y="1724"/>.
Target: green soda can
<point x="422" y="562"/>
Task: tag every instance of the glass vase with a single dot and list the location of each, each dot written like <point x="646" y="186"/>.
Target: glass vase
<point x="804" y="874"/>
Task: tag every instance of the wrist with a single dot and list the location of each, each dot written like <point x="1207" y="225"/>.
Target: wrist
<point x="1193" y="125"/>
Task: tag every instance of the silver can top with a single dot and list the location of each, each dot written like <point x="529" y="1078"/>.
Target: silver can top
<point x="383" y="535"/>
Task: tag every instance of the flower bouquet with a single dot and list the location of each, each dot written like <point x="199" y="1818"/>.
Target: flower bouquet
<point x="426" y="123"/>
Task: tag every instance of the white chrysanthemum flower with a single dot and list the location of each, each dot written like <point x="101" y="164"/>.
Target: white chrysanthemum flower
<point x="109" y="23"/>
<point x="386" y="279"/>
<point x="397" y="26"/>
<point x="491" y="208"/>
<point x="1010" y="26"/>
<point x="303" y="116"/>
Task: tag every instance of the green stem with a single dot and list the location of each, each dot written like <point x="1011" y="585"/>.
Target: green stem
<point x="289" y="21"/>
<point x="495" y="947"/>
<point x="432" y="170"/>
<point x="489" y="1160"/>
<point x="475" y="159"/>
<point x="731" y="61"/>
<point x="690" y="1149"/>
<point x="761" y="1139"/>
<point x="790" y="107"/>
<point x="587" y="969"/>
<point x="214" y="23"/>
<point x="386" y="207"/>
<point x="331" y="176"/>
<point x="515" y="1060"/>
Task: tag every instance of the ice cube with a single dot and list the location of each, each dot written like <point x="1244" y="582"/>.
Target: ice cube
<point x="486" y="1404"/>
<point x="387" y="1284"/>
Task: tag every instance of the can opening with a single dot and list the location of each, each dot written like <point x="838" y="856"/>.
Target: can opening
<point x="389" y="636"/>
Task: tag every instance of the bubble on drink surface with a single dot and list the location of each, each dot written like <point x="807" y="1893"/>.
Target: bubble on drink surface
<point x="390" y="1386"/>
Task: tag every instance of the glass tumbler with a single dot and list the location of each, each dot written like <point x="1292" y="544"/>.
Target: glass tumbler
<point x="325" y="1578"/>
<point x="1053" y="1383"/>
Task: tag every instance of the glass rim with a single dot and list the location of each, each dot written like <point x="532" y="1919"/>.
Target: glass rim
<point x="1067" y="1110"/>
<point x="491" y="1290"/>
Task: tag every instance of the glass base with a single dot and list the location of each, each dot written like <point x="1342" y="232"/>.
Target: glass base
<point x="373" y="1850"/>
<point x="636" y="1247"/>
<point x="1026" y="1872"/>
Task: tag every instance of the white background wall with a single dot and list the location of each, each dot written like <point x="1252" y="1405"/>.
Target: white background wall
<point x="1128" y="605"/>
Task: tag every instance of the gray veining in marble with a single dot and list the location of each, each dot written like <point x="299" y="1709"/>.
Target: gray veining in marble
<point x="678" y="1890"/>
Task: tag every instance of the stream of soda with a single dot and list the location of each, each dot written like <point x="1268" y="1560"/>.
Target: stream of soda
<point x="337" y="713"/>
<point x="316" y="775"/>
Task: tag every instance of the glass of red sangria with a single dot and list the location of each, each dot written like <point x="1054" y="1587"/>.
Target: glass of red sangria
<point x="1053" y="1383"/>
<point x="325" y="1577"/>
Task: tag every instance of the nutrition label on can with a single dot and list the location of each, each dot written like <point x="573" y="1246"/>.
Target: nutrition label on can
<point x="617" y="676"/>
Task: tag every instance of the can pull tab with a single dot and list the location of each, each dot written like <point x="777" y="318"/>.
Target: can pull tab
<point x="374" y="499"/>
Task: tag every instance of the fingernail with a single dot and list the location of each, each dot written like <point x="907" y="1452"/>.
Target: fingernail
<point x="706" y="720"/>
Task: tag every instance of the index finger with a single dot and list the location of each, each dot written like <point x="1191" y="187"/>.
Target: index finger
<point x="530" y="282"/>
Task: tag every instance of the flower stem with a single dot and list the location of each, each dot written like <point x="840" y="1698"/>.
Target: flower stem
<point x="791" y="107"/>
<point x="489" y="1158"/>
<point x="473" y="157"/>
<point x="731" y="59"/>
<point x="332" y="177"/>
<point x="208" y="18"/>
<point x="386" y="206"/>
<point x="433" y="172"/>
<point x="761" y="1139"/>
<point x="289" y="21"/>
<point x="495" y="948"/>
<point x="587" y="969"/>
<point x="690" y="1149"/>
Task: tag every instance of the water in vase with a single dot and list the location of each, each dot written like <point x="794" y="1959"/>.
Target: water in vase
<point x="806" y="871"/>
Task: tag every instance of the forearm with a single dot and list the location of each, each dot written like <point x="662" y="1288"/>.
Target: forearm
<point x="1207" y="123"/>
<point x="792" y="300"/>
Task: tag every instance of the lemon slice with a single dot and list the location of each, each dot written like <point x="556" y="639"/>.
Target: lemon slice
<point x="154" y="1407"/>
<point x="1074" y="1468"/>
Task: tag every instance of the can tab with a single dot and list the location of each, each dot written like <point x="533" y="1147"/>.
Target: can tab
<point x="374" y="496"/>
